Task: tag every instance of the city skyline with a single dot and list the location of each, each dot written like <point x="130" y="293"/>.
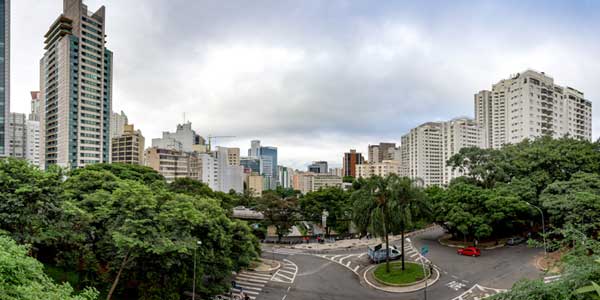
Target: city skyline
<point x="434" y="76"/>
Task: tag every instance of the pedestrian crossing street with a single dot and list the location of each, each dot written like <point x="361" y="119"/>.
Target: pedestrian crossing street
<point x="252" y="283"/>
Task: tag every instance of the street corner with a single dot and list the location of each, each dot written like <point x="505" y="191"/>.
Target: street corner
<point x="477" y="292"/>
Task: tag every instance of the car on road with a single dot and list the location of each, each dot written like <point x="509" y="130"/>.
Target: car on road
<point x="469" y="251"/>
<point x="515" y="241"/>
<point x="378" y="254"/>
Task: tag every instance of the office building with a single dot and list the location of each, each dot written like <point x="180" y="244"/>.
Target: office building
<point x="529" y="105"/>
<point x="268" y="158"/>
<point x="283" y="177"/>
<point x="183" y="139"/>
<point x="254" y="183"/>
<point x="383" y="169"/>
<point x="318" y="167"/>
<point x="4" y="76"/>
<point x="35" y="106"/>
<point x="128" y="147"/>
<point x="75" y="89"/>
<point x="251" y="164"/>
<point x="17" y="134"/>
<point x="117" y="123"/>
<point x="32" y="142"/>
<point x="381" y="152"/>
<point x="254" y="150"/>
<point x="351" y="159"/>
<point x="426" y="149"/>
<point x="173" y="164"/>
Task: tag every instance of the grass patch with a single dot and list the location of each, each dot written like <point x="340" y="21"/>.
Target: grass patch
<point x="412" y="273"/>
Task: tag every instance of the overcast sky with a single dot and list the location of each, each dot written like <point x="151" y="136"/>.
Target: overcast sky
<point x="316" y="78"/>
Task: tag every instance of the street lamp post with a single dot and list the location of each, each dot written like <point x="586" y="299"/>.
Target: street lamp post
<point x="199" y="243"/>
<point x="543" y="227"/>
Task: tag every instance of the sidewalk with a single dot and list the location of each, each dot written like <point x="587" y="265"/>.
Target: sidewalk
<point x="355" y="243"/>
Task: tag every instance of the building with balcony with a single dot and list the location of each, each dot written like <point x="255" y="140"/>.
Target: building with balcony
<point x="128" y="147"/>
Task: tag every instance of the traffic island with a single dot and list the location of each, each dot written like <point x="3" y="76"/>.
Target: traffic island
<point x="265" y="265"/>
<point x="398" y="281"/>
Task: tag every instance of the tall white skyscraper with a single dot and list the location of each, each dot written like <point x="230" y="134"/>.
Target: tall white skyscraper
<point x="76" y="89"/>
<point x="530" y="105"/>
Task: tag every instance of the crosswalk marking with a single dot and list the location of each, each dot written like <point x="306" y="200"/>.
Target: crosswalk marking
<point x="287" y="273"/>
<point x="250" y="282"/>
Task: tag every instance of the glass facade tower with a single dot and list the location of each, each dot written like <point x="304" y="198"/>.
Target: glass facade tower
<point x="4" y="75"/>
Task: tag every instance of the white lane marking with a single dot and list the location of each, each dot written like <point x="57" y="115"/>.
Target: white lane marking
<point x="252" y="280"/>
<point x="257" y="274"/>
<point x="254" y="276"/>
<point x="289" y="272"/>
<point x="283" y="297"/>
<point x="250" y="287"/>
<point x="281" y="275"/>
<point x="345" y="257"/>
<point x="362" y="255"/>
<point x="335" y="257"/>
<point x="245" y="291"/>
<point x="356" y="268"/>
<point x="348" y="264"/>
<point x="249" y="283"/>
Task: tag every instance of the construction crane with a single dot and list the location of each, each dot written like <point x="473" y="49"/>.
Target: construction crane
<point x="212" y="137"/>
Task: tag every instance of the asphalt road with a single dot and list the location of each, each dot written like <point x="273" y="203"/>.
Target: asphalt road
<point x="321" y="278"/>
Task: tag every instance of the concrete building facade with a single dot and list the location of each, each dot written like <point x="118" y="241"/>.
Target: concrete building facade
<point x="76" y="89"/>
<point x="128" y="147"/>
<point x="35" y="106"/>
<point x="183" y="139"/>
<point x="529" y="105"/>
<point x="381" y="152"/>
<point x="173" y="164"/>
<point x="383" y="169"/>
<point x="254" y="183"/>
<point x="351" y="159"/>
<point x="319" y="167"/>
<point x="32" y="142"/>
<point x="426" y="149"/>
<point x="17" y="135"/>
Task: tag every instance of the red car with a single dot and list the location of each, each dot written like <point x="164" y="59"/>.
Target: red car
<point x="469" y="251"/>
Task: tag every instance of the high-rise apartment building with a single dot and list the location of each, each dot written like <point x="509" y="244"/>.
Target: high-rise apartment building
<point x="209" y="170"/>
<point x="35" y="106"/>
<point x="76" y="89"/>
<point x="351" y="159"/>
<point x="318" y="167"/>
<point x="17" y="135"/>
<point x="529" y="105"/>
<point x="254" y="183"/>
<point x="117" y="123"/>
<point x="268" y="158"/>
<point x="381" y="152"/>
<point x="4" y="76"/>
<point x="458" y="134"/>
<point x="128" y="147"/>
<point x="32" y="142"/>
<point x="284" y="177"/>
<point x="231" y="176"/>
<point x="426" y="149"/>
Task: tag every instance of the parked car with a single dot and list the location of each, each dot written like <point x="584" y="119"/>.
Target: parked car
<point x="469" y="251"/>
<point x="377" y="254"/>
<point x="515" y="241"/>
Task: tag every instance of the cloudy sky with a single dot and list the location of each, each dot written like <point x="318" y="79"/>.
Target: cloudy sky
<point x="316" y="78"/>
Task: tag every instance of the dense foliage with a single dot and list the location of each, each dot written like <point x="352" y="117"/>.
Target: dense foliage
<point x="23" y="278"/>
<point x="123" y="230"/>
<point x="497" y="195"/>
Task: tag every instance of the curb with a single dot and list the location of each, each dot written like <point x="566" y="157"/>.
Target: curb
<point x="538" y="266"/>
<point x="482" y="248"/>
<point x="409" y="289"/>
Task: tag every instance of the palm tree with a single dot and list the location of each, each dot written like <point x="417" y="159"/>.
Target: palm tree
<point x="371" y="209"/>
<point x="407" y="202"/>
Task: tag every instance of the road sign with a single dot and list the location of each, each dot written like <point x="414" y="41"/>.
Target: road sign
<point x="424" y="250"/>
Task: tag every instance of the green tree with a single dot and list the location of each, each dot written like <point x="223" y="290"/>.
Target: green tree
<point x="408" y="202"/>
<point x="372" y="209"/>
<point x="278" y="211"/>
<point x="29" y="200"/>
<point x="334" y="200"/>
<point x="576" y="201"/>
<point x="23" y="278"/>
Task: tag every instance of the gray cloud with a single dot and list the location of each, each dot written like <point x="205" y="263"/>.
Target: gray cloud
<point x="316" y="78"/>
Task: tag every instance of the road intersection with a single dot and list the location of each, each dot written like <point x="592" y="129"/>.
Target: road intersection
<point x="337" y="274"/>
